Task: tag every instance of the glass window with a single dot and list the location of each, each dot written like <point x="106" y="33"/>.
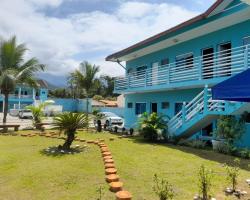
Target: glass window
<point x="140" y="108"/>
<point x="246" y="40"/>
<point x="165" y="61"/>
<point x="165" y="105"/>
<point x="130" y="105"/>
<point x="186" y="61"/>
<point x="141" y="70"/>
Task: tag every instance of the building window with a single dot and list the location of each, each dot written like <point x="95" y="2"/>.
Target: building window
<point x="185" y="61"/>
<point x="246" y="40"/>
<point x="141" y="71"/>
<point x="165" y="61"/>
<point x="164" y="105"/>
<point x="130" y="105"/>
<point x="140" y="108"/>
<point x="25" y="93"/>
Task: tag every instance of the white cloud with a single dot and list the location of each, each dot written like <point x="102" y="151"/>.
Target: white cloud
<point x="62" y="43"/>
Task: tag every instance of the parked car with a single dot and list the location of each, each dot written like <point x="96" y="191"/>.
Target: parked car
<point x="111" y="119"/>
<point x="25" y="114"/>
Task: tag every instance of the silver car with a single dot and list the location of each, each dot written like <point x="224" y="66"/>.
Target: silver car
<point x="111" y="119"/>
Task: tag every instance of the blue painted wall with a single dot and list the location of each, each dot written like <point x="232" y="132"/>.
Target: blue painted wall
<point x="73" y="105"/>
<point x="176" y="96"/>
<point x="234" y="34"/>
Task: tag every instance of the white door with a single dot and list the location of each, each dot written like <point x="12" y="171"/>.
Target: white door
<point x="155" y="73"/>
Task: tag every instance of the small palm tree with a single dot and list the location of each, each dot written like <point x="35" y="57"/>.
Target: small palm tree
<point x="85" y="78"/>
<point x="37" y="112"/>
<point x="153" y="126"/>
<point x="69" y="123"/>
<point x="14" y="70"/>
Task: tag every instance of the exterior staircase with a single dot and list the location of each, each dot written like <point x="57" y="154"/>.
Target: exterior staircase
<point x="200" y="112"/>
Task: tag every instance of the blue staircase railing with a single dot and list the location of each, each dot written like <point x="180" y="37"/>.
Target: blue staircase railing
<point x="198" y="109"/>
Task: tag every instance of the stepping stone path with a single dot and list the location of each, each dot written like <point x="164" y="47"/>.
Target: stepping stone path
<point x="123" y="195"/>
<point x="115" y="186"/>
<point x="110" y="171"/>
<point x="109" y="165"/>
<point x="109" y="161"/>
<point x="112" y="178"/>
<point x="106" y="154"/>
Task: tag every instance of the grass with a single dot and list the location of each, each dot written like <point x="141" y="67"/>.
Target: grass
<point x="26" y="173"/>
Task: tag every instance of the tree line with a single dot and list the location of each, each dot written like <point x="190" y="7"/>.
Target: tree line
<point x="84" y="82"/>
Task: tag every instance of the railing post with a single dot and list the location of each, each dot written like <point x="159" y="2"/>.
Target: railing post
<point x="183" y="112"/>
<point x="168" y="74"/>
<point x="246" y="57"/>
<point x="146" y="77"/>
<point x="200" y="68"/>
<point x="128" y="81"/>
<point x="205" y="99"/>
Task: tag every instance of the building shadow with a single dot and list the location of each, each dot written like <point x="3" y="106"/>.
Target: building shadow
<point x="207" y="153"/>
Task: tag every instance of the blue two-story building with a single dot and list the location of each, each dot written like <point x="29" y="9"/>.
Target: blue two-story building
<point x="172" y="72"/>
<point x="25" y="95"/>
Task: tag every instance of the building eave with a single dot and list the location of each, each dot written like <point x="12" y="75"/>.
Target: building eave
<point x="116" y="56"/>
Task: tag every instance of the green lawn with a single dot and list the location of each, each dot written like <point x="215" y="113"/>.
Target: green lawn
<point x="26" y="173"/>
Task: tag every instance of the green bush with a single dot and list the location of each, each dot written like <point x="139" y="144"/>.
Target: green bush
<point x="244" y="153"/>
<point x="198" y="144"/>
<point x="230" y="128"/>
<point x="163" y="189"/>
<point x="153" y="127"/>
<point x="204" y="182"/>
<point x="233" y="174"/>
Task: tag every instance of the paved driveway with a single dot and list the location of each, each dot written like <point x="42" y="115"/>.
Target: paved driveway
<point x="25" y="123"/>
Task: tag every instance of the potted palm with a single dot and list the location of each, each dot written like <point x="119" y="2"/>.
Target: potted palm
<point x="68" y="123"/>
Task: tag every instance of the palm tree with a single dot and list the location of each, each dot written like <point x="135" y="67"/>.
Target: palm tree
<point x="85" y="78"/>
<point x="14" y="70"/>
<point x="69" y="123"/>
<point x="37" y="112"/>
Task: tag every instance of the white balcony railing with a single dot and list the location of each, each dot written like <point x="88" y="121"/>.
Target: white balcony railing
<point x="216" y="65"/>
<point x="14" y="96"/>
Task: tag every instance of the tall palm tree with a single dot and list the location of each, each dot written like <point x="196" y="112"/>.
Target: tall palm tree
<point x="14" y="70"/>
<point x="85" y="77"/>
<point x="69" y="123"/>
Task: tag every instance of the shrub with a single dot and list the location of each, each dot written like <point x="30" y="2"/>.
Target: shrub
<point x="230" y="128"/>
<point x="198" y="144"/>
<point x="204" y="182"/>
<point x="244" y="153"/>
<point x="224" y="148"/>
<point x="233" y="174"/>
<point x="100" y="193"/>
<point x="153" y="127"/>
<point x="163" y="189"/>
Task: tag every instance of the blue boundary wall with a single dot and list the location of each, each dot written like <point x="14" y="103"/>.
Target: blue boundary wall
<point x="73" y="105"/>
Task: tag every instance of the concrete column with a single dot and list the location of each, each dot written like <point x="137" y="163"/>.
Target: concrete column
<point x="19" y="97"/>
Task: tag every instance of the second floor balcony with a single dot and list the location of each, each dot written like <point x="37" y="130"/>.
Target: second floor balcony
<point x="210" y="68"/>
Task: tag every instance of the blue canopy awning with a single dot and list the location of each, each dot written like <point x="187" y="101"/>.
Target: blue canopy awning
<point x="236" y="88"/>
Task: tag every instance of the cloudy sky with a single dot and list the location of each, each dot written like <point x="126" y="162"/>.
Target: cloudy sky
<point x="62" y="33"/>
